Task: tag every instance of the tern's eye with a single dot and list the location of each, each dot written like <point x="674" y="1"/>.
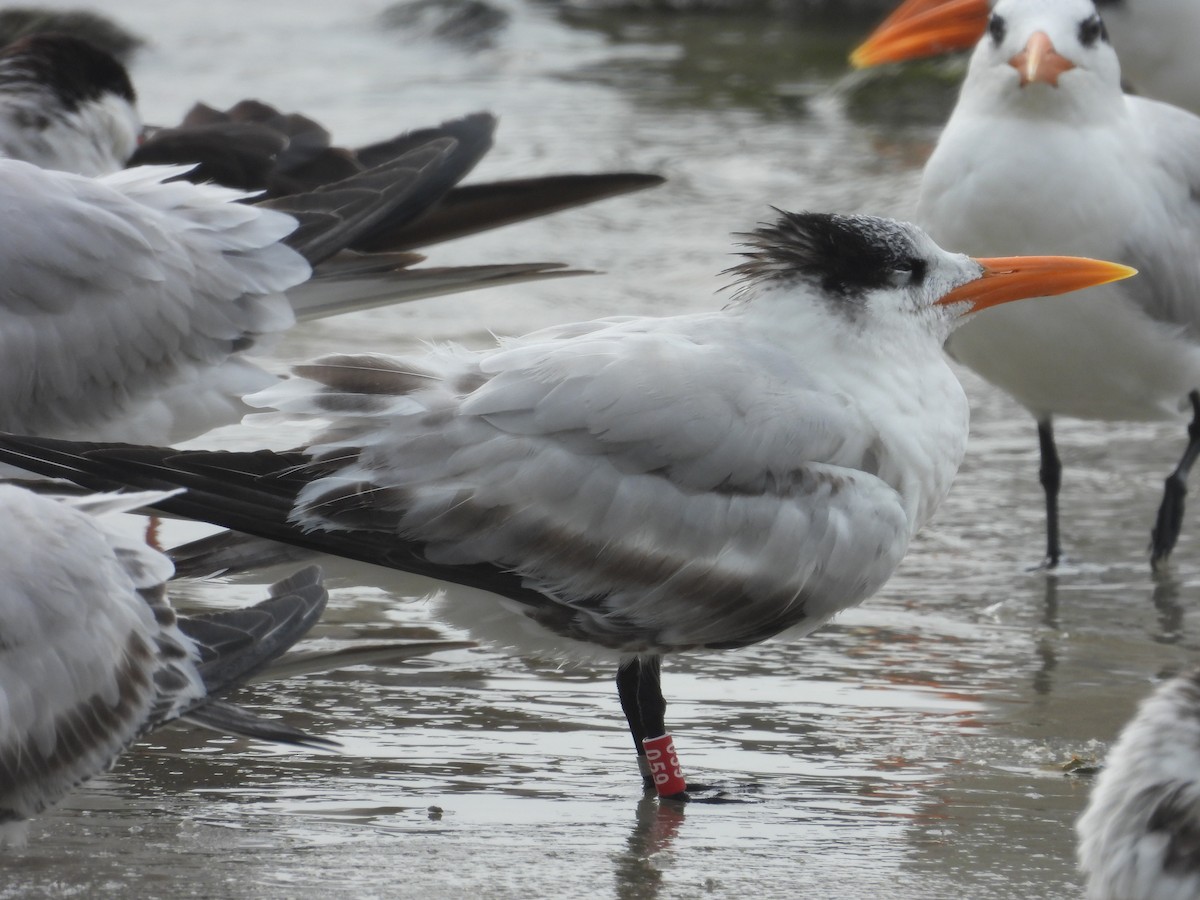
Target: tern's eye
<point x="909" y="272"/>
<point x="997" y="28"/>
<point x="1091" y="30"/>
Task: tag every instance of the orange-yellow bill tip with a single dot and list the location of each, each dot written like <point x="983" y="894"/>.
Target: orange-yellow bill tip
<point x="1009" y="278"/>
<point x="919" y="28"/>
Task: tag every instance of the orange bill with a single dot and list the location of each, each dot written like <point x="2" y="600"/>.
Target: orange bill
<point x="921" y="28"/>
<point x="1008" y="278"/>
<point x="1039" y="61"/>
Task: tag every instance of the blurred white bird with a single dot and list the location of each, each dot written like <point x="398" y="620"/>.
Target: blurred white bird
<point x="93" y="656"/>
<point x="130" y="302"/>
<point x="1139" y="838"/>
<point x="1154" y="38"/>
<point x="635" y="486"/>
<point x="65" y="104"/>
<point x="1045" y="152"/>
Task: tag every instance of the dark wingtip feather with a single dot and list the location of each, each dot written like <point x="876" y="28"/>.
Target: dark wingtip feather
<point x="230" y="553"/>
<point x="336" y="216"/>
<point x="235" y="644"/>
<point x="472" y="208"/>
<point x="229" y="718"/>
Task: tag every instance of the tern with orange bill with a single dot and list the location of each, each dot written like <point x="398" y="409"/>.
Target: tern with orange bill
<point x="1044" y="150"/>
<point x="632" y="487"/>
<point x="1154" y="38"/>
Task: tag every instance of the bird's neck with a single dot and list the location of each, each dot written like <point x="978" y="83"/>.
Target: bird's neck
<point x="1080" y="100"/>
<point x="921" y="415"/>
<point x="898" y="385"/>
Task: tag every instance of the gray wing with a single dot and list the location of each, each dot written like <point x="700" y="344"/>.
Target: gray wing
<point x="89" y="658"/>
<point x="93" y="656"/>
<point x="661" y="490"/>
<point x="119" y="290"/>
<point x="1163" y="241"/>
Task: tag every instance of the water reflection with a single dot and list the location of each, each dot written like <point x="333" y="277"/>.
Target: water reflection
<point x="1165" y="599"/>
<point x="765" y="63"/>
<point x="639" y="874"/>
<point x="1045" y="648"/>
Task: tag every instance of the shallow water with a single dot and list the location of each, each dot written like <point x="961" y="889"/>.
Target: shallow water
<point x="915" y="747"/>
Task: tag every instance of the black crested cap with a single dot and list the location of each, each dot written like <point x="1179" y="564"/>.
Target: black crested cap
<point x="846" y="256"/>
<point x="74" y="69"/>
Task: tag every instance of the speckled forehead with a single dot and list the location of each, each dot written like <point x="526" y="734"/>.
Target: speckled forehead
<point x="888" y="243"/>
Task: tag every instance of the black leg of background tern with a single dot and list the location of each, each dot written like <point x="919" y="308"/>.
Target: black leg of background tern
<point x="1050" y="474"/>
<point x="1170" y="514"/>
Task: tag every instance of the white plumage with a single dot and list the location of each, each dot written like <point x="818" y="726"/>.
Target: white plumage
<point x="128" y="302"/>
<point x="632" y="487"/>
<point x="646" y="462"/>
<point x="1044" y="151"/>
<point x="92" y="656"/>
<point x="1081" y="169"/>
<point x="702" y="480"/>
<point x="132" y="303"/>
<point x="1139" y="838"/>
<point x="1154" y="38"/>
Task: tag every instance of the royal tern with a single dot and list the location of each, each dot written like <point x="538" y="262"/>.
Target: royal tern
<point x="1138" y="836"/>
<point x="93" y="656"/>
<point x="1044" y="151"/>
<point x="65" y="104"/>
<point x="1155" y="40"/>
<point x="635" y="486"/>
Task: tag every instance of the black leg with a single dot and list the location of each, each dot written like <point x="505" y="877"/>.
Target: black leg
<point x="1170" y="514"/>
<point x="639" y="687"/>
<point x="1050" y="475"/>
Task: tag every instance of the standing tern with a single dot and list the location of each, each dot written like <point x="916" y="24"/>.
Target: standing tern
<point x="1138" y="836"/>
<point x="1154" y="38"/>
<point x="65" y="104"/>
<point x="637" y="486"/>
<point x="93" y="656"/>
<point x="1044" y="151"/>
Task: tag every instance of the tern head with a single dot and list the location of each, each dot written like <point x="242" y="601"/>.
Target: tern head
<point x="1048" y="52"/>
<point x="890" y="279"/>
<point x="66" y="104"/>
<point x="1038" y="44"/>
